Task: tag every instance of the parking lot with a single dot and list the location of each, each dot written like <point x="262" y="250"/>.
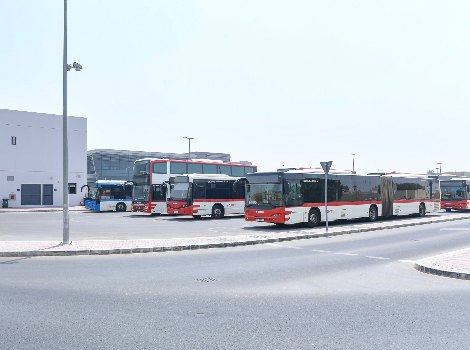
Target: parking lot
<point x="85" y="225"/>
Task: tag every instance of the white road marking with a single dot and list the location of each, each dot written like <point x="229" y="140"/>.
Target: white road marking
<point x="340" y="253"/>
<point x="455" y="229"/>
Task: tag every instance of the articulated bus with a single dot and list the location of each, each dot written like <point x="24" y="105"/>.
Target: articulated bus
<point x="199" y="194"/>
<point x="110" y="195"/>
<point x="295" y="196"/>
<point x="151" y="174"/>
<point x="455" y="194"/>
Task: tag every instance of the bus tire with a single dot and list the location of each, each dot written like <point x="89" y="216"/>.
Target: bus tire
<point x="217" y="211"/>
<point x="448" y="210"/>
<point x="314" y="217"/>
<point x="422" y="210"/>
<point x="373" y="213"/>
<point x="121" y="206"/>
<point x="155" y="214"/>
<point x="197" y="217"/>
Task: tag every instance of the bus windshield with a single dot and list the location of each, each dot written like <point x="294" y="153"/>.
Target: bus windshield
<point x="179" y="191"/>
<point x="264" y="194"/>
<point x="141" y="193"/>
<point x="453" y="192"/>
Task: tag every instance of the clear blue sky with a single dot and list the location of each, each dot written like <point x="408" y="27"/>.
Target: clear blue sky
<point x="275" y="82"/>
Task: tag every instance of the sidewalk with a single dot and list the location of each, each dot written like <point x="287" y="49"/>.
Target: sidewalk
<point x="104" y="247"/>
<point x="40" y="209"/>
<point x="454" y="264"/>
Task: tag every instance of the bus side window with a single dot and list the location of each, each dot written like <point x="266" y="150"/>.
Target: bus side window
<point x="199" y="190"/>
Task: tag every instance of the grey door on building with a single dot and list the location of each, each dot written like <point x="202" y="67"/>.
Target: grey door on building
<point x="31" y="194"/>
<point x="47" y="194"/>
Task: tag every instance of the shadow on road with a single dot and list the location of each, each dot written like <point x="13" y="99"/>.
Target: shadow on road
<point x="336" y="223"/>
<point x="14" y="261"/>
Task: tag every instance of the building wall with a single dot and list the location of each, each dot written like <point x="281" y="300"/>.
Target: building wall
<point x="37" y="156"/>
<point x="109" y="164"/>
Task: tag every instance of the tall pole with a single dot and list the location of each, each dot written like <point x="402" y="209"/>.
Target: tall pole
<point x="440" y="168"/>
<point x="189" y="143"/>
<point x="326" y="201"/>
<point x="65" y="150"/>
<point x="353" y="154"/>
<point x="326" y="168"/>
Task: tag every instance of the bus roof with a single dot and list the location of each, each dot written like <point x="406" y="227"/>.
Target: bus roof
<point x="203" y="161"/>
<point x="112" y="182"/>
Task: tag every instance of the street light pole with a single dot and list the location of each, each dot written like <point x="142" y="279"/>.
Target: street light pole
<point x="189" y="142"/>
<point x="65" y="148"/>
<point x="326" y="168"/>
<point x="440" y="168"/>
<point x="353" y="171"/>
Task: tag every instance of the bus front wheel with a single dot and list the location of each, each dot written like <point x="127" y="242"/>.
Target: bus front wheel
<point x="217" y="212"/>
<point x="448" y="210"/>
<point x="121" y="207"/>
<point x="373" y="213"/>
<point x="313" y="218"/>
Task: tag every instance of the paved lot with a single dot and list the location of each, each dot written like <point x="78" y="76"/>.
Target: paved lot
<point x="32" y="233"/>
<point x="348" y="292"/>
<point x="85" y="225"/>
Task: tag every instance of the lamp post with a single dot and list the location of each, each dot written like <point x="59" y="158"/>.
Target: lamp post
<point x="65" y="149"/>
<point x="326" y="168"/>
<point x="189" y="142"/>
<point x="440" y="168"/>
<point x="353" y="170"/>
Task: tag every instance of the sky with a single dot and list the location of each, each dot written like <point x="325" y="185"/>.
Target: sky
<point x="278" y="83"/>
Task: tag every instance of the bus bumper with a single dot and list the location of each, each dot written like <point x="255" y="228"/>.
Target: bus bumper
<point x="457" y="205"/>
<point x="140" y="208"/>
<point x="180" y="208"/>
<point x="275" y="216"/>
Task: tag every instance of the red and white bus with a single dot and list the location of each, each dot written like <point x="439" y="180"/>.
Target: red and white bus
<point x="199" y="194"/>
<point x="455" y="194"/>
<point x="149" y="194"/>
<point x="297" y="196"/>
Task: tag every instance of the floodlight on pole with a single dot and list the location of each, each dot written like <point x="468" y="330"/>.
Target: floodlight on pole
<point x="65" y="149"/>
<point x="189" y="143"/>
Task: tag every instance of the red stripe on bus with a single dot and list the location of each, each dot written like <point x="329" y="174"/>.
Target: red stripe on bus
<point x="219" y="200"/>
<point x="336" y="204"/>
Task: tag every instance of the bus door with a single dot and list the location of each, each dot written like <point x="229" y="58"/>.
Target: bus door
<point x="386" y="192"/>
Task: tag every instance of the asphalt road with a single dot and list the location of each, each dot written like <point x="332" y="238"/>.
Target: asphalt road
<point x="356" y="291"/>
<point x="47" y="226"/>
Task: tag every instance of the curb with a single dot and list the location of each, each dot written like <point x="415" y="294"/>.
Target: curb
<point x="181" y="247"/>
<point x="443" y="273"/>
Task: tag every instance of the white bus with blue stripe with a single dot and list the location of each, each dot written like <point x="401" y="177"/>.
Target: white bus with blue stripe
<point x="110" y="195"/>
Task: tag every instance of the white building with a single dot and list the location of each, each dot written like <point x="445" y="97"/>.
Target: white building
<point x="31" y="158"/>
